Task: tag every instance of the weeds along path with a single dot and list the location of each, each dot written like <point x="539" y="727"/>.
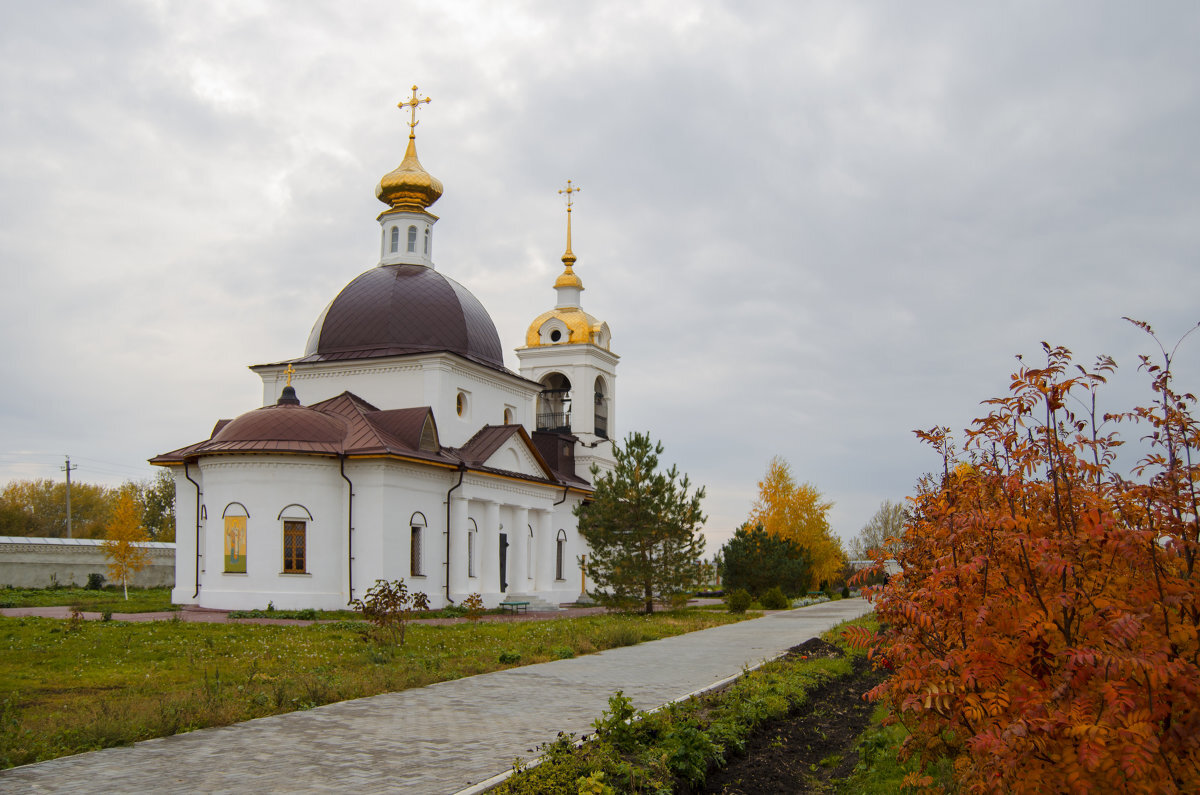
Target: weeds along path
<point x="435" y="739"/>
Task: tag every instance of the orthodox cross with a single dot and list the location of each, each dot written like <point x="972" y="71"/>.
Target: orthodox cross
<point x="289" y="372"/>
<point x="569" y="190"/>
<point x="412" y="105"/>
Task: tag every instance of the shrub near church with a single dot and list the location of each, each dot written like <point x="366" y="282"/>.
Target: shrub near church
<point x="1045" y="629"/>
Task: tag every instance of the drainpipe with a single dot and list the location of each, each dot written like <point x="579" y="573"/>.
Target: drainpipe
<point x="197" y="485"/>
<point x="462" y="471"/>
<point x="566" y="490"/>
<point x="349" y="530"/>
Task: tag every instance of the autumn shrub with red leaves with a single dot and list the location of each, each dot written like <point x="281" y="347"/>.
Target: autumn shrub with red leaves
<point x="1044" y="630"/>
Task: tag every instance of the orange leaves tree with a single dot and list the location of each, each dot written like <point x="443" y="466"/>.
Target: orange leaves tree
<point x="797" y="512"/>
<point x="124" y="541"/>
<point x="1045" y="628"/>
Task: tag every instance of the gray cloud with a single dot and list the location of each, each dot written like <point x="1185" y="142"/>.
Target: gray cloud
<point x="812" y="227"/>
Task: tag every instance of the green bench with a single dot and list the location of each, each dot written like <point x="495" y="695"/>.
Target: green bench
<point x="515" y="607"/>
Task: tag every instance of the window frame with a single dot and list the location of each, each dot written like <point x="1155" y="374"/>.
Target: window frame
<point x="472" y="547"/>
<point x="417" y="524"/>
<point x="293" y="528"/>
<point x="560" y="554"/>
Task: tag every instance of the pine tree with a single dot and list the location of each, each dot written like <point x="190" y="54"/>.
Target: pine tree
<point x="643" y="529"/>
<point x="758" y="561"/>
<point x="126" y="556"/>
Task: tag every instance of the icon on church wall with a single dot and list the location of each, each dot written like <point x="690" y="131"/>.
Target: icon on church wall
<point x="235" y="544"/>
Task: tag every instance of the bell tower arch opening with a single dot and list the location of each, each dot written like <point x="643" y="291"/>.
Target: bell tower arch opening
<point x="554" y="404"/>
<point x="601" y="408"/>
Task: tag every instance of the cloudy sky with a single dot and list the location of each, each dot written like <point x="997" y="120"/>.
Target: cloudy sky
<point x="812" y="227"/>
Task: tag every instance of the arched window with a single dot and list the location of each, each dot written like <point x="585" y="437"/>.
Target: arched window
<point x="412" y="238"/>
<point x="508" y="416"/>
<point x="395" y="239"/>
<point x="560" y="551"/>
<point x="295" y="518"/>
<point x="427" y="241"/>
<point x="235" y="516"/>
<point x="472" y="535"/>
<point x="416" y="525"/>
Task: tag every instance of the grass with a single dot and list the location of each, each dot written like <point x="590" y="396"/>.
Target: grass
<point x="109" y="598"/>
<point x="73" y="686"/>
<point x="672" y="748"/>
<point x="879" y="772"/>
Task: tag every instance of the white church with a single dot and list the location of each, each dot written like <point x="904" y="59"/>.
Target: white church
<point x="400" y="446"/>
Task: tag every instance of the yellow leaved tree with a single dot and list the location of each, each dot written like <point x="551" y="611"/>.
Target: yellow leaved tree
<point x="123" y="543"/>
<point x="798" y="512"/>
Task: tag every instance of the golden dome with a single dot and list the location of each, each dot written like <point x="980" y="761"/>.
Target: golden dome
<point x="409" y="186"/>
<point x="568" y="278"/>
<point x="581" y="327"/>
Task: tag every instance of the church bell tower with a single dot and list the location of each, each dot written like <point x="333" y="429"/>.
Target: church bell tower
<point x="567" y="352"/>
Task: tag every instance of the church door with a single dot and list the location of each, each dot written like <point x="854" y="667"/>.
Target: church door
<point x="503" y="562"/>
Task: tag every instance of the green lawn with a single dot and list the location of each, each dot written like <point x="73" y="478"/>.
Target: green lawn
<point x="67" y="687"/>
<point x="141" y="600"/>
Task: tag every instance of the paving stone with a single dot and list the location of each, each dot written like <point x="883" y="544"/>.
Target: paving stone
<point x="437" y="739"/>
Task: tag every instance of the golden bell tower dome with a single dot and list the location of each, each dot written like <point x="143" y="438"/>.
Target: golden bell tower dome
<point x="567" y="352"/>
<point x="574" y="325"/>
<point x="409" y="186"/>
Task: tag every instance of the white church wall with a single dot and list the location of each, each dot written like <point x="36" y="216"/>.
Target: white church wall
<point x="389" y="495"/>
<point x="187" y="564"/>
<point x="270" y="490"/>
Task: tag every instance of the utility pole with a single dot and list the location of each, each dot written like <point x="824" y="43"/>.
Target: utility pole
<point x="67" y="468"/>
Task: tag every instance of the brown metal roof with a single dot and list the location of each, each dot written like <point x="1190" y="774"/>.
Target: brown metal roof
<point x="348" y="425"/>
<point x="283" y="424"/>
<point x="399" y="309"/>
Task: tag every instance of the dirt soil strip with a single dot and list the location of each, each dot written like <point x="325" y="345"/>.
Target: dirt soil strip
<point x="813" y="746"/>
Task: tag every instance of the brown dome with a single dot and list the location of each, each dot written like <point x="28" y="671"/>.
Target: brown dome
<point x="282" y="423"/>
<point x="399" y="309"/>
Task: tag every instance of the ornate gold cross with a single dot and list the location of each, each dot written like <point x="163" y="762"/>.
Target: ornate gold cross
<point x="412" y="104"/>
<point x="568" y="256"/>
<point x="569" y="190"/>
<point x="289" y="372"/>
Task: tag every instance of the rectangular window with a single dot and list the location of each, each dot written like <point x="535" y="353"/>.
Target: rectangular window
<point x="293" y="548"/>
<point x="414" y="552"/>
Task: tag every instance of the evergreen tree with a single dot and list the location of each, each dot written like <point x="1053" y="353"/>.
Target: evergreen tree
<point x="757" y="561"/>
<point x="643" y="529"/>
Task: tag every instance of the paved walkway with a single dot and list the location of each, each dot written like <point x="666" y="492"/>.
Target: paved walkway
<point x="437" y="739"/>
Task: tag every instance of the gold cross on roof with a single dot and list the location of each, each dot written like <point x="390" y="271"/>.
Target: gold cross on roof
<point x="569" y="190"/>
<point x="412" y="105"/>
<point x="289" y="372"/>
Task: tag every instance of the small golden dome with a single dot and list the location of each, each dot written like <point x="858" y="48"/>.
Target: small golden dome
<point x="409" y="186"/>
<point x="581" y="328"/>
<point x="568" y="278"/>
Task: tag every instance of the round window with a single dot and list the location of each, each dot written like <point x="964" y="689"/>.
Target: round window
<point x="555" y="335"/>
<point x="460" y="403"/>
